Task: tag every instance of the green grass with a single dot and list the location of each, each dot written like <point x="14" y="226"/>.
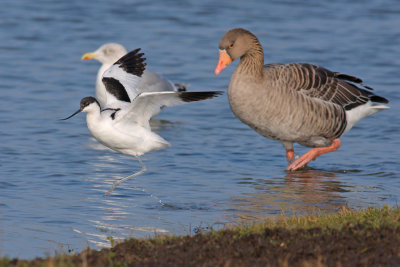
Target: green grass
<point x="372" y="217"/>
<point x="364" y="238"/>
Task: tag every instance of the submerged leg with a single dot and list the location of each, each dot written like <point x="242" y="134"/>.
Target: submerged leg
<point x="289" y="151"/>
<point x="128" y="177"/>
<point x="313" y="154"/>
<point x="290" y="155"/>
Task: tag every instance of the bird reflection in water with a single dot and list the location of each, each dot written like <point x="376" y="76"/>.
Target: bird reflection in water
<point x="308" y="191"/>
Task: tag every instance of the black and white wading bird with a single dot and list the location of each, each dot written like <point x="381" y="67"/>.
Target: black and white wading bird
<point x="123" y="123"/>
<point x="108" y="54"/>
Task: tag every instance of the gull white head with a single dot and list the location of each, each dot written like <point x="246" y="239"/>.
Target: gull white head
<point x="107" y="53"/>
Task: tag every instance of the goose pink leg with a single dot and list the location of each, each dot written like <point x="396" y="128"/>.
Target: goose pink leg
<point x="312" y="155"/>
<point x="289" y="155"/>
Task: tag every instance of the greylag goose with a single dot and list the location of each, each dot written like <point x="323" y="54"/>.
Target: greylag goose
<point x="297" y="102"/>
<point x="107" y="54"/>
<point x="125" y="127"/>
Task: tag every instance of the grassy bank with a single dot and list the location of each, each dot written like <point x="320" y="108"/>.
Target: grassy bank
<point x="369" y="237"/>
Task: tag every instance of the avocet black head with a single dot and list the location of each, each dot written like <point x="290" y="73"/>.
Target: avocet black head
<point x="85" y="103"/>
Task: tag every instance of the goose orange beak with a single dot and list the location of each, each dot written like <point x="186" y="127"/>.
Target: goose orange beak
<point x="223" y="62"/>
<point x="88" y="56"/>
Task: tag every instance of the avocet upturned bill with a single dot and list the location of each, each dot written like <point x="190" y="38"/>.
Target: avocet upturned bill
<point x="108" y="54"/>
<point x="123" y="125"/>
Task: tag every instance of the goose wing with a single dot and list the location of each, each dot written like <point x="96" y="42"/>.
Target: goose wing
<point x="319" y="83"/>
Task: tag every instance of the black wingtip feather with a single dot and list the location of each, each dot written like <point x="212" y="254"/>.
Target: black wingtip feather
<point x="197" y="96"/>
<point x="379" y="99"/>
<point x="133" y="62"/>
<point x="347" y="77"/>
<point x="370" y="95"/>
<point x="368" y="87"/>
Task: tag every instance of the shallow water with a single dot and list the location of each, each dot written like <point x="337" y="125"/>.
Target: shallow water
<point x="218" y="171"/>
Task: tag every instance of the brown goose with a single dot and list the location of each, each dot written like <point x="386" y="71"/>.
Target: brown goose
<point x="297" y="102"/>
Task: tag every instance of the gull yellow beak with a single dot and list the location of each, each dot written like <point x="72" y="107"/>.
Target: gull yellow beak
<point x="89" y="55"/>
<point x="223" y="62"/>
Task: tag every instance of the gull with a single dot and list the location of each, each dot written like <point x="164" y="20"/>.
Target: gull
<point x="109" y="53"/>
<point x="123" y="124"/>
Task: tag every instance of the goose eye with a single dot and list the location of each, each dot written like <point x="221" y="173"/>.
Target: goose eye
<point x="231" y="45"/>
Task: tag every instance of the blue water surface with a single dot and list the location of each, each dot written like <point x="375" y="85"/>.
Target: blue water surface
<point x="218" y="171"/>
